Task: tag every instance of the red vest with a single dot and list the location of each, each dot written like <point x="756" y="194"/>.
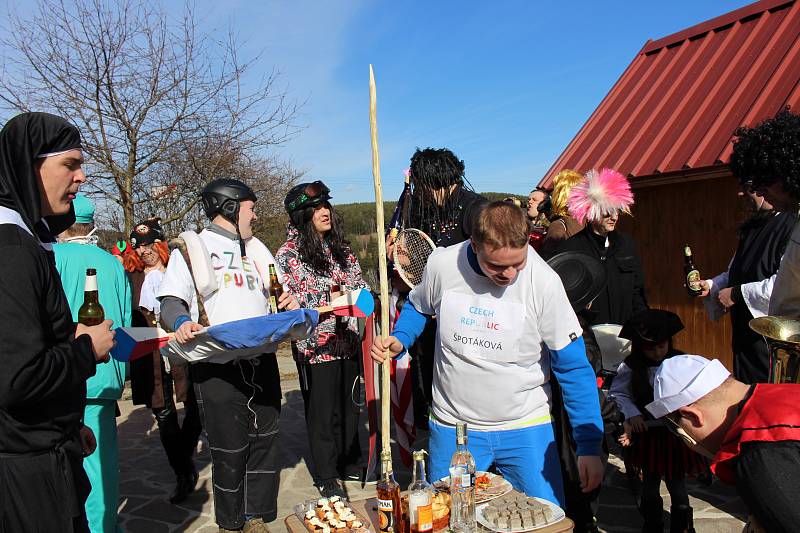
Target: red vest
<point x="771" y="414"/>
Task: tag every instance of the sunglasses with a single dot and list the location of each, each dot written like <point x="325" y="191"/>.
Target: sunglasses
<point x="314" y="193"/>
<point x="678" y="431"/>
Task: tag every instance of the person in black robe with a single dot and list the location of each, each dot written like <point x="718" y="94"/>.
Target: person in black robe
<point x="747" y="285"/>
<point x="45" y="358"/>
<point x="598" y="201"/>
<point x="623" y="295"/>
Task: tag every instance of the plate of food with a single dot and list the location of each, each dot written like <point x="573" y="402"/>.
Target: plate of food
<point x="488" y="486"/>
<point x="516" y="513"/>
<point x="332" y="515"/>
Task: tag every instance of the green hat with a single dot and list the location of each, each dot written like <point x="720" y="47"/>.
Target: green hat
<point x="84" y="210"/>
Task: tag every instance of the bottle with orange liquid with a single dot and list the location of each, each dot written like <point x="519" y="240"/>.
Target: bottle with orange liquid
<point x="390" y="513"/>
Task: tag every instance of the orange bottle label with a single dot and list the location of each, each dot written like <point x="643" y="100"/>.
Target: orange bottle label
<point x="424" y="518"/>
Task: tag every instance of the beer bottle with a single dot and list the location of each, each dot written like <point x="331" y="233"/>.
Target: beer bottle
<point x="91" y="312"/>
<point x="275" y="290"/>
<point x="390" y="513"/>
<point x="693" y="286"/>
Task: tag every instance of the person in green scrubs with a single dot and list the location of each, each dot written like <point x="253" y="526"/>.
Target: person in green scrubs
<point x="75" y="252"/>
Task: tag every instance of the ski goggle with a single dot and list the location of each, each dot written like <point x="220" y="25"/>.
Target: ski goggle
<point x="313" y="194"/>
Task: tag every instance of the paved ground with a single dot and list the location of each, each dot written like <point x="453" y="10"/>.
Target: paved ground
<point x="146" y="480"/>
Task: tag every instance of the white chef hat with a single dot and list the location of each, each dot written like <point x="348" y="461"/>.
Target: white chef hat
<point x="684" y="379"/>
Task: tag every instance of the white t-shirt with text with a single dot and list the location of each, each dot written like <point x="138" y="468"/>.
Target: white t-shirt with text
<point x="491" y="364"/>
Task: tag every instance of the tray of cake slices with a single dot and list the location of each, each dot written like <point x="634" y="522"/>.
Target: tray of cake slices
<point x="330" y="515"/>
<point x="517" y="513"/>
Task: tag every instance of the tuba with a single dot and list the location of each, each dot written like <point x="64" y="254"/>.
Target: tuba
<point x="782" y="335"/>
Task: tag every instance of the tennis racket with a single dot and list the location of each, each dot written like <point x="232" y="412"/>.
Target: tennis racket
<point x="411" y="251"/>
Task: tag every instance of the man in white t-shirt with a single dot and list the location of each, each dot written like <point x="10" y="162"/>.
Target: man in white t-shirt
<point x="239" y="400"/>
<point x="504" y="323"/>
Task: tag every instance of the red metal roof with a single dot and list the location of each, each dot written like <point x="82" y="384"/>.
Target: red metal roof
<point x="678" y="103"/>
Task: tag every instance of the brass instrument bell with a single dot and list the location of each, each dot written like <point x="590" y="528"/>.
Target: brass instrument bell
<point x="782" y="335"/>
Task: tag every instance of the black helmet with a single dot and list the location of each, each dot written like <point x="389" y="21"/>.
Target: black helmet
<point x="222" y="197"/>
<point x="305" y="195"/>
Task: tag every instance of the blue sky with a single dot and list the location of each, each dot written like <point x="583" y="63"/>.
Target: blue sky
<point x="504" y="84"/>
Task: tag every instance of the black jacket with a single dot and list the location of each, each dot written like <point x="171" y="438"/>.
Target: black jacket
<point x="624" y="292"/>
<point x="44" y="368"/>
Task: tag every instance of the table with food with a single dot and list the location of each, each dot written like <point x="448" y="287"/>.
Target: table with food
<point x="466" y="501"/>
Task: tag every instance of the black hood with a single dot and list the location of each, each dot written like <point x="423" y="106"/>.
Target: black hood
<point x="22" y="139"/>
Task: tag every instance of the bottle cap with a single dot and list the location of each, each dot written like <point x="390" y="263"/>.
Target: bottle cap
<point x="686" y="250"/>
<point x="91" y="272"/>
<point x="419" y="455"/>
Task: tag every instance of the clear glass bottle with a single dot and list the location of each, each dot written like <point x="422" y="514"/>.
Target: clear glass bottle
<point x="390" y="517"/>
<point x="420" y="497"/>
<point x="462" y="485"/>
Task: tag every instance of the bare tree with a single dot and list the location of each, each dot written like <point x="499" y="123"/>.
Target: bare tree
<point x="162" y="107"/>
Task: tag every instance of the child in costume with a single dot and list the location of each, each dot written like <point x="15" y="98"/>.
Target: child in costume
<point x="653" y="451"/>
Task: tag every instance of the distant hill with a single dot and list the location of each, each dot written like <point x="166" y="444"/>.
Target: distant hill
<point x="359" y="229"/>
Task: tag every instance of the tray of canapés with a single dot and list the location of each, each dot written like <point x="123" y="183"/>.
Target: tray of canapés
<point x="330" y="515"/>
<point x="517" y="513"/>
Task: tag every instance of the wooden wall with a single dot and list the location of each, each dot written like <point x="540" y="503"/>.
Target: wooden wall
<point x="704" y="214"/>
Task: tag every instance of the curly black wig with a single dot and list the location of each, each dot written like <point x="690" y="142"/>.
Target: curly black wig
<point x="769" y="152"/>
<point x="434" y="170"/>
<point x="310" y="244"/>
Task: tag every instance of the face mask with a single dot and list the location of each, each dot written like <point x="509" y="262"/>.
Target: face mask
<point x="90" y="239"/>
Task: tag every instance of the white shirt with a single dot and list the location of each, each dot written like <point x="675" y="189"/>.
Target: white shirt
<point x="622" y="393"/>
<point x="491" y="364"/>
<point x="240" y="294"/>
<point x="150" y="285"/>
<point x="785" y="298"/>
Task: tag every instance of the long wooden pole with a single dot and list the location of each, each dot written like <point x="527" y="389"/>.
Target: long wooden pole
<point x="384" y="279"/>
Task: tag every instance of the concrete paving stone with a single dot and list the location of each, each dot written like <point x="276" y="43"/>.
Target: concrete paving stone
<point x="705" y="525"/>
<point x="163" y="510"/>
<point x="140" y="525"/>
<point x="129" y="503"/>
<point x="138" y="488"/>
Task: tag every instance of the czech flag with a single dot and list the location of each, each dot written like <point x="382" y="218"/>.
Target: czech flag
<point x="133" y="343"/>
<point x="267" y="329"/>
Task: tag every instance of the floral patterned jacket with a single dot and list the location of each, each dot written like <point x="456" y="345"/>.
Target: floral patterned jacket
<point x="335" y="337"/>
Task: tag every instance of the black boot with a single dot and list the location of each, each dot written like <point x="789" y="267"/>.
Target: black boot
<point x="184" y="485"/>
<point x="681" y="520"/>
<point x="653" y="514"/>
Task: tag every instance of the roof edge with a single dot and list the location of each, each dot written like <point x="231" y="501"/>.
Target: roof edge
<point x="717" y="22"/>
<point x="681" y="176"/>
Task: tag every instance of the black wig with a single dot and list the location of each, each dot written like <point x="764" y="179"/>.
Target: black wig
<point x="434" y="170"/>
<point x="310" y="245"/>
<point x="769" y="152"/>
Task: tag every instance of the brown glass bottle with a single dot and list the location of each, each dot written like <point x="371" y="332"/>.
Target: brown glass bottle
<point x="275" y="290"/>
<point x="390" y="512"/>
<point x="91" y="312"/>
<point x="691" y="273"/>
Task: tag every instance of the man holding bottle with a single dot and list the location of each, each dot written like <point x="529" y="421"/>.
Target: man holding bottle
<point x="766" y="156"/>
<point x="76" y="252"/>
<point x="46" y="358"/>
<point x="498" y="304"/>
<point x="239" y="396"/>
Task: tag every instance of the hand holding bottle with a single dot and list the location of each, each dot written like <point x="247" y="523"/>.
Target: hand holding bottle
<point x="102" y="338"/>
